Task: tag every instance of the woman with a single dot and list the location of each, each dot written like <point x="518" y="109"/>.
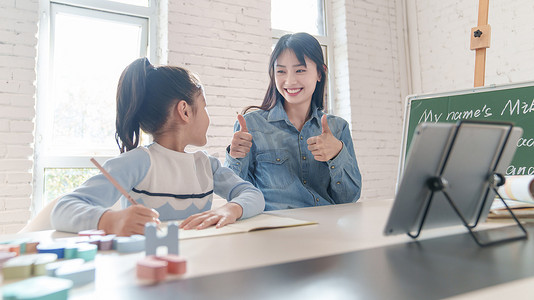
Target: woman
<point x="293" y="152"/>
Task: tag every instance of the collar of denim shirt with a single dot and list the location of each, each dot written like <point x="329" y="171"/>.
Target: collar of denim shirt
<point x="278" y="113"/>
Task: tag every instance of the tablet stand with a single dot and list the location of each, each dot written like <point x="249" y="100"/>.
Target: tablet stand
<point x="439" y="184"/>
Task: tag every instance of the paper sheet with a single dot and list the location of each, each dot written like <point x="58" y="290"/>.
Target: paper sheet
<point x="259" y="222"/>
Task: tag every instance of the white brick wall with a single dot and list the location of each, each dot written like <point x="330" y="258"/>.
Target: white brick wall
<point x="368" y="34"/>
<point x="18" y="29"/>
<point x="227" y="43"/>
<point x="447" y="64"/>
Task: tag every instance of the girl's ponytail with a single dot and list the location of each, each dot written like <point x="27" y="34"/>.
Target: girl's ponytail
<point x="130" y="96"/>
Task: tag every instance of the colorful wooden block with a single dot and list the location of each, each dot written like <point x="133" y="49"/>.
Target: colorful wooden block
<point x="5" y="256"/>
<point x="27" y="265"/>
<point x="106" y="242"/>
<point x="42" y="287"/>
<point x="79" y="274"/>
<point x="103" y="242"/>
<point x="18" y="242"/>
<point x="57" y="248"/>
<point x="51" y="268"/>
<point x="151" y="269"/>
<point x="95" y="240"/>
<point x="40" y="262"/>
<point x="73" y="239"/>
<point x="175" y="264"/>
<point x="153" y="241"/>
<point x="86" y="251"/>
<point x="10" y="248"/>
<point x="91" y="232"/>
<point x="70" y="251"/>
<point x="134" y="243"/>
<point x="15" y="268"/>
<point x="31" y="247"/>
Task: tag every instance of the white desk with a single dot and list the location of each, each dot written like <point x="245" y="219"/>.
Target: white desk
<point x="340" y="229"/>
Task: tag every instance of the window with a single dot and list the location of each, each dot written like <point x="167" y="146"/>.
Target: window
<point x="82" y="52"/>
<point x="299" y="16"/>
<point x="305" y="16"/>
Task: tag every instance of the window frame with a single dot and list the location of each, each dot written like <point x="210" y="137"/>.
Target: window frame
<point x="325" y="41"/>
<point x="107" y="10"/>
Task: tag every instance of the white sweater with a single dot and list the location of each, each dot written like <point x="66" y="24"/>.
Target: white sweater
<point x="176" y="184"/>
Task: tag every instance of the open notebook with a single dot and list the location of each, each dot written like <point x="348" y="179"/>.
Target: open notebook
<point x="260" y="222"/>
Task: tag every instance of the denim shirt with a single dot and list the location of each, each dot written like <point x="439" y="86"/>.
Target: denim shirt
<point x="281" y="166"/>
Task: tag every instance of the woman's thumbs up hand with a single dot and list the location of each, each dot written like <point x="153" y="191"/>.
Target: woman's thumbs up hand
<point x="242" y="140"/>
<point x="324" y="147"/>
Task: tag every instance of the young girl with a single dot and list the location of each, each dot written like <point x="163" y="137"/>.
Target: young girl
<point x="168" y="183"/>
<point x="293" y="152"/>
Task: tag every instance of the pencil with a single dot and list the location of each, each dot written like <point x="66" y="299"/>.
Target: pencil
<point x="114" y="182"/>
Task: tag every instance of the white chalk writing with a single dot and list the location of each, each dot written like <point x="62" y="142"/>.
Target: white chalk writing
<point x="513" y="170"/>
<point x="524" y="142"/>
<point x="485" y="112"/>
<point x="428" y="116"/>
<point x="519" y="107"/>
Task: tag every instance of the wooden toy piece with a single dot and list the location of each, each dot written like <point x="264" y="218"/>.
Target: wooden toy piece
<point x="41" y="261"/>
<point x="91" y="232"/>
<point x="151" y="269"/>
<point x="17" y="268"/>
<point x="73" y="239"/>
<point x="153" y="241"/>
<point x="175" y="263"/>
<point x="79" y="274"/>
<point x="20" y="243"/>
<point x="42" y="287"/>
<point x="70" y="251"/>
<point x="103" y="242"/>
<point x="57" y="248"/>
<point x="106" y="242"/>
<point x="27" y="265"/>
<point x="10" y="248"/>
<point x="95" y="240"/>
<point x="51" y="268"/>
<point x="134" y="243"/>
<point x="31" y="247"/>
<point x="5" y="256"/>
<point x="86" y="251"/>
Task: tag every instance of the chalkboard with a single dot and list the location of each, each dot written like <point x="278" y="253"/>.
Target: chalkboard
<point x="514" y="103"/>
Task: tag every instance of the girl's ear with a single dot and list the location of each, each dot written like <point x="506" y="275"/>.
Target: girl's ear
<point x="183" y="110"/>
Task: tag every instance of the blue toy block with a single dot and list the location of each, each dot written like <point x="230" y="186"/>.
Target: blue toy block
<point x="42" y="287"/>
<point x="134" y="243"/>
<point x="56" y="248"/>
<point x="153" y="241"/>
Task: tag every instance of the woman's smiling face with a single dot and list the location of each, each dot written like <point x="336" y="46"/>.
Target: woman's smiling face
<point x="295" y="81"/>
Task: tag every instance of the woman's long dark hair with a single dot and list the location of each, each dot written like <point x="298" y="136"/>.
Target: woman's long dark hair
<point x="145" y="95"/>
<point x="303" y="45"/>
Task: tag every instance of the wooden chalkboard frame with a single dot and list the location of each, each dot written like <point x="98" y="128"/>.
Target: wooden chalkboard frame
<point x="409" y="123"/>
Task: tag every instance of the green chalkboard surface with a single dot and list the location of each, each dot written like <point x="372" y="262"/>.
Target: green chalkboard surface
<point x="514" y="103"/>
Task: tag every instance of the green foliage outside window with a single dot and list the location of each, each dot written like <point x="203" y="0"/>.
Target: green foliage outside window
<point x="61" y="181"/>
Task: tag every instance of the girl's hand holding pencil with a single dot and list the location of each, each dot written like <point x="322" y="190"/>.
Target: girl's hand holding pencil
<point x="128" y="221"/>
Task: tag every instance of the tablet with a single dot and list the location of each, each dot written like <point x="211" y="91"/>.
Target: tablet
<point x="465" y="158"/>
